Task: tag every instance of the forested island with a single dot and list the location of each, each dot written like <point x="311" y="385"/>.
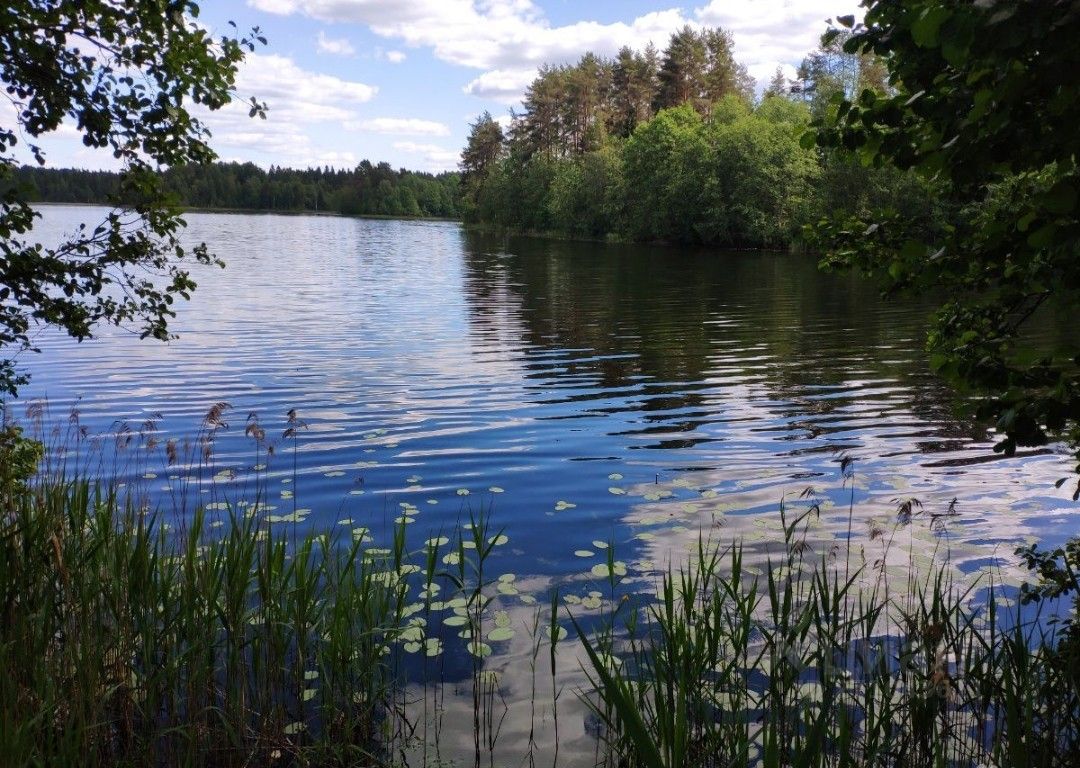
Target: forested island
<point x="367" y="190"/>
<point x="675" y="147"/>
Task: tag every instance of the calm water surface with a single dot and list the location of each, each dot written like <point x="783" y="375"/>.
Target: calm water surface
<point x="616" y="393"/>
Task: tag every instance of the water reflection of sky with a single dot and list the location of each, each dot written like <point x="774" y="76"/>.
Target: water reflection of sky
<point x="621" y="394"/>
<point x="545" y="367"/>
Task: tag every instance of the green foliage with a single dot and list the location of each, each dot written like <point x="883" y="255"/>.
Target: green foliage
<point x="665" y="164"/>
<point x="981" y="101"/>
<point x="812" y="664"/>
<point x="484" y="147"/>
<point x="761" y="184"/>
<point x="19" y="460"/>
<point x="124" y="75"/>
<point x="368" y="189"/>
<point x="699" y="164"/>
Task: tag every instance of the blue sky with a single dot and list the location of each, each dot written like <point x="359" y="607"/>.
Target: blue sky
<point x="400" y="80"/>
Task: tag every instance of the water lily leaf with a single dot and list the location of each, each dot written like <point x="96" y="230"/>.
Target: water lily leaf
<point x="560" y="633"/>
<point x="456" y="621"/>
<point x="495" y="489"/>
<point x="479" y="649"/>
<point x="500" y="633"/>
<point x="617" y="491"/>
<point x="614" y="476"/>
<point x="584" y="552"/>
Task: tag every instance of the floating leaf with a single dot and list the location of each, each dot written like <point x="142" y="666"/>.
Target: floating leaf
<point x="456" y="620"/>
<point x="560" y="633"/>
<point x="479" y="649"/>
<point x="617" y="491"/>
<point x="309" y="694"/>
<point x="462" y="491"/>
<point x="294" y="728"/>
<point x="499" y="540"/>
<point x="500" y="633"/>
<point x="438" y="541"/>
<point x="614" y="476"/>
<point x="561" y="505"/>
<point x="333" y="473"/>
<point x="584" y="552"/>
<point x="600" y="544"/>
<point x="495" y="489"/>
<point x="502" y="619"/>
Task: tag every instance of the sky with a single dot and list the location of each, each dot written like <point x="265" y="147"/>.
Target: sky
<point x="401" y="80"/>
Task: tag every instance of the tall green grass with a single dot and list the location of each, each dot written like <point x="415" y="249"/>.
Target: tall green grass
<point x="814" y="664"/>
<point x="236" y="642"/>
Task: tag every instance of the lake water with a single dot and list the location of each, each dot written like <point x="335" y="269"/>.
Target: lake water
<point x="609" y="393"/>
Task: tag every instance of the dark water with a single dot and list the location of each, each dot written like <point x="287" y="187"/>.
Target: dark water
<point x="609" y="393"/>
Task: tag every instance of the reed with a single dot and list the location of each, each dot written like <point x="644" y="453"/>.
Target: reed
<point x="814" y="664"/>
<point x="137" y="638"/>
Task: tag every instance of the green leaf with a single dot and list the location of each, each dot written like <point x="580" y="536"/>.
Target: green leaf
<point x="1060" y="199"/>
<point x="925" y="29"/>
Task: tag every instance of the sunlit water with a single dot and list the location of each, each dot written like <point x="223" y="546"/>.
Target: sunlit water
<point x="608" y="393"/>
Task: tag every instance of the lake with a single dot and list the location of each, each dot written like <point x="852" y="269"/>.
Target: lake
<point x="587" y="394"/>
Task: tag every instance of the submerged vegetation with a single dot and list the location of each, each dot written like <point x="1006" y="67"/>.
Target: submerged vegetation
<point x="231" y="634"/>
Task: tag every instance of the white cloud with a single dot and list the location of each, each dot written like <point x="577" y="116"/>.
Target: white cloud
<point x="298" y="101"/>
<point x="334" y="46"/>
<point x="433" y="157"/>
<point x="507" y="38"/>
<point x="402" y="126"/>
<point x="294" y="94"/>
<point x="395" y="57"/>
<point x="505" y="85"/>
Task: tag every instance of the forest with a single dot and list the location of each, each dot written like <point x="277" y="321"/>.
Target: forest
<point x="369" y="189"/>
<point x="675" y="147"/>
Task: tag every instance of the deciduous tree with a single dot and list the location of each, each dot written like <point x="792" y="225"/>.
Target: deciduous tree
<point x="131" y="78"/>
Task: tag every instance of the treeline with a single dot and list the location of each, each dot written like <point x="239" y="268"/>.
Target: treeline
<point x="368" y="189"/>
<point x="674" y="147"/>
